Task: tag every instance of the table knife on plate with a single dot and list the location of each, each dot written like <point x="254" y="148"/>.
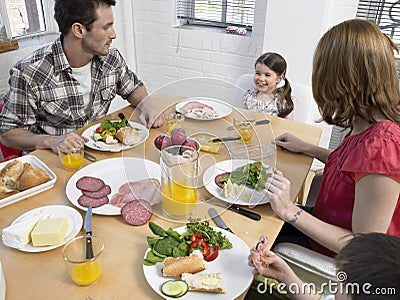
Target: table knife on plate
<point x="88" y="229"/>
<point x="217" y="219"/>
<point x="266" y="121"/>
<point x="233" y="207"/>
<point x="122" y="117"/>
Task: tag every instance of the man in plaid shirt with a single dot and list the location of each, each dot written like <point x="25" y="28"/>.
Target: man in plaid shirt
<point x="60" y="88"/>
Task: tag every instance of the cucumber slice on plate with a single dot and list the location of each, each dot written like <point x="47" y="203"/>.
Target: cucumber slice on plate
<point x="174" y="288"/>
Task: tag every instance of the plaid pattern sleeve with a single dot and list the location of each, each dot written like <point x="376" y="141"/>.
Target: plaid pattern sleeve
<point x="43" y="96"/>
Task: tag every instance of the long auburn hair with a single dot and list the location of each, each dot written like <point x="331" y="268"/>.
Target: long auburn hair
<point x="277" y="63"/>
<point x="354" y="74"/>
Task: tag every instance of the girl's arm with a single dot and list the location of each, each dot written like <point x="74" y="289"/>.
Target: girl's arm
<point x="376" y="197"/>
<point x="292" y="143"/>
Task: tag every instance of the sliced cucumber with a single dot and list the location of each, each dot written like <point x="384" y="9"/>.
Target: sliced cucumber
<point x="97" y="137"/>
<point x="174" y="288"/>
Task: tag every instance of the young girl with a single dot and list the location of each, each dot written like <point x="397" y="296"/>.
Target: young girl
<point x="272" y="94"/>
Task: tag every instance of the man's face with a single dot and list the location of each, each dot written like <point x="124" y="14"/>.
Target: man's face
<point x="98" y="40"/>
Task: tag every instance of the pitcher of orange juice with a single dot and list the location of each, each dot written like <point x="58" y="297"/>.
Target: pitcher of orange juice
<point x="179" y="174"/>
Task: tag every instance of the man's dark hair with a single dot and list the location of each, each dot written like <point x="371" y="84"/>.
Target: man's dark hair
<point x="68" y="12"/>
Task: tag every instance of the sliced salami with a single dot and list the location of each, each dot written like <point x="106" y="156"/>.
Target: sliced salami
<point x="86" y="201"/>
<point x="218" y="179"/>
<point x="137" y="212"/>
<point x="104" y="191"/>
<point x="90" y="184"/>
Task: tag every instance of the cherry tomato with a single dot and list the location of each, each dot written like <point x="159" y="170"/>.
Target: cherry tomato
<point x="99" y="130"/>
<point x="212" y="255"/>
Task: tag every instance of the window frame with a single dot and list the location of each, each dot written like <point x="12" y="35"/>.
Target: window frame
<point x="51" y="25"/>
<point x="189" y="18"/>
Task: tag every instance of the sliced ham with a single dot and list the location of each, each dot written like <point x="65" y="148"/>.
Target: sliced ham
<point x="194" y="105"/>
<point x="145" y="189"/>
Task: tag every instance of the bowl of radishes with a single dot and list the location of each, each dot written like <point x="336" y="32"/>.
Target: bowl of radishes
<point x="177" y="136"/>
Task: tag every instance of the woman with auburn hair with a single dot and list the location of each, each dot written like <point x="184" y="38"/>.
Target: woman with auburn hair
<point x="355" y="85"/>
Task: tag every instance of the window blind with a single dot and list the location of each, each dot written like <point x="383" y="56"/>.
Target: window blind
<point x="386" y="13"/>
<point x="220" y="13"/>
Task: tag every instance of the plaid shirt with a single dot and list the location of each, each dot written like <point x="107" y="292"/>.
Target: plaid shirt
<point x="43" y="96"/>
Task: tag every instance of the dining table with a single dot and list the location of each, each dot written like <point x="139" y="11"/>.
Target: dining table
<point x="42" y="275"/>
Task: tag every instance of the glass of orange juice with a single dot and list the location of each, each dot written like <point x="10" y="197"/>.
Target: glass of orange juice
<point x="83" y="271"/>
<point x="179" y="175"/>
<point x="244" y="127"/>
<point x="173" y="120"/>
<point x="71" y="154"/>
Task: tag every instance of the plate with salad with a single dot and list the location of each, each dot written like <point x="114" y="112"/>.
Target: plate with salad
<point x="231" y="260"/>
<point x="240" y="181"/>
<point x="105" y="136"/>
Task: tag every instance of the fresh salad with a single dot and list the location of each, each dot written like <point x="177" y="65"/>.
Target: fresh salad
<point x="199" y="236"/>
<point x="252" y="174"/>
<point x="107" y="130"/>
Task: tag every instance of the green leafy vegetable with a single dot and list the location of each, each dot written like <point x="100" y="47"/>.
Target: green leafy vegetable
<point x="209" y="234"/>
<point x="252" y="174"/>
<point x="107" y="124"/>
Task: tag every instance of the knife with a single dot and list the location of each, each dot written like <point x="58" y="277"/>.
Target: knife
<point x="224" y="139"/>
<point x="122" y="117"/>
<point x="217" y="219"/>
<point x="250" y="214"/>
<point x="266" y="121"/>
<point x="88" y="228"/>
<point x="89" y="156"/>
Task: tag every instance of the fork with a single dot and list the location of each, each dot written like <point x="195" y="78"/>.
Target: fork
<point x="88" y="298"/>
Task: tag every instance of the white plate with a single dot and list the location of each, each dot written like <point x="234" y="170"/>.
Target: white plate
<point x="36" y="163"/>
<point x="101" y="146"/>
<point x="114" y="172"/>
<point x="248" y="197"/>
<point x="74" y="219"/>
<point x="222" y="108"/>
<point x="231" y="263"/>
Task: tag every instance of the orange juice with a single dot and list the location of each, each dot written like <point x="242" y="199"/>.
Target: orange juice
<point x="178" y="199"/>
<point x="171" y="124"/>
<point x="246" y="134"/>
<point x="72" y="161"/>
<point x="86" y="273"/>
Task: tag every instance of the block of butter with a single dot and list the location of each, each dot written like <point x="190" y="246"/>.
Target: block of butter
<point x="19" y="233"/>
<point x="49" y="232"/>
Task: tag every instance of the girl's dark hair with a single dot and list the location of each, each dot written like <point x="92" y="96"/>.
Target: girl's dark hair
<point x="277" y="63"/>
<point x="68" y="12"/>
<point x="371" y="260"/>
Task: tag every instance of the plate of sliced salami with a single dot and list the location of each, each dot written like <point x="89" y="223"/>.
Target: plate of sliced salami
<point x="109" y="184"/>
<point x="205" y="109"/>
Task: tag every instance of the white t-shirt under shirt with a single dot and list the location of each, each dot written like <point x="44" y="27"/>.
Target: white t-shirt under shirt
<point x="84" y="76"/>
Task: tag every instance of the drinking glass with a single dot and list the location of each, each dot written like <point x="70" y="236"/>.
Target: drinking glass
<point x="179" y="175"/>
<point x="71" y="154"/>
<point x="83" y="271"/>
<point x="244" y="127"/>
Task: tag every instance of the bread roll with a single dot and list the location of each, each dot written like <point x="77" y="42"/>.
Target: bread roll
<point x="212" y="283"/>
<point x="10" y="175"/>
<point x="32" y="177"/>
<point x="186" y="264"/>
<point x="128" y="135"/>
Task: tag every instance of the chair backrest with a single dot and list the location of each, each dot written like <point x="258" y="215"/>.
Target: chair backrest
<point x="303" y="102"/>
<point x="244" y="83"/>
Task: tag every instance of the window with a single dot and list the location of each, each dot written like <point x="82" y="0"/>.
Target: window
<point x="220" y="13"/>
<point x="386" y="13"/>
<point x="21" y="18"/>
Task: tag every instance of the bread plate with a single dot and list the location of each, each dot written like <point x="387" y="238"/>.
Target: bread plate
<point x="73" y="217"/>
<point x="36" y="163"/>
<point x="231" y="263"/>
<point x="101" y="146"/>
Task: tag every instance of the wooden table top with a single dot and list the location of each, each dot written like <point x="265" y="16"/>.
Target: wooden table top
<point x="43" y="275"/>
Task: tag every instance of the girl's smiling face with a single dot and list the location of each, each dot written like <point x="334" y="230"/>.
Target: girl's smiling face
<point x="265" y="79"/>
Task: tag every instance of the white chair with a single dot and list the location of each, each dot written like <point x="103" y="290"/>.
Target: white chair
<point x="244" y="83"/>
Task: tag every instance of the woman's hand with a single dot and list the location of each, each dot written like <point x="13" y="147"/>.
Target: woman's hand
<point x="291" y="143"/>
<point x="277" y="189"/>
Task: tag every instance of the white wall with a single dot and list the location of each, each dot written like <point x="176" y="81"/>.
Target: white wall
<point x="162" y="53"/>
